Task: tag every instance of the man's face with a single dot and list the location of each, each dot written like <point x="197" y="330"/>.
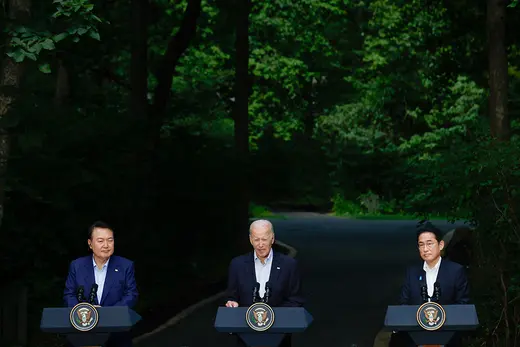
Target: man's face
<point x="429" y="247"/>
<point x="262" y="240"/>
<point x="102" y="243"/>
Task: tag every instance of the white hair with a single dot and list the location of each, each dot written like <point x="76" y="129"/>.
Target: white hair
<point x="261" y="223"/>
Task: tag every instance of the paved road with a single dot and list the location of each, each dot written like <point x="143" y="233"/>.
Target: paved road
<point x="352" y="270"/>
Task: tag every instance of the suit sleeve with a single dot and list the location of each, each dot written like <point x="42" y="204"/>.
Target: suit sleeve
<point x="461" y="287"/>
<point x="69" y="294"/>
<point x="130" y="293"/>
<point x="404" y="298"/>
<point x="232" y="291"/>
<point x="295" y="295"/>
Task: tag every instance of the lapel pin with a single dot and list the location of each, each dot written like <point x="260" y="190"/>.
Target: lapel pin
<point x="117" y="270"/>
<point x="277" y="268"/>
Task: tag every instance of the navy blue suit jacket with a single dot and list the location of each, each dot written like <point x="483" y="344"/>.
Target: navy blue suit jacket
<point x="284" y="281"/>
<point x="452" y="280"/>
<point x="120" y="288"/>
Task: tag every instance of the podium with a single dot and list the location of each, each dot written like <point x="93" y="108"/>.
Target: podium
<point x="114" y="319"/>
<point x="458" y="318"/>
<point x="287" y="320"/>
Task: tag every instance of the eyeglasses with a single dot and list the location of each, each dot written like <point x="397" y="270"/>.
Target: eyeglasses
<point x="428" y="245"/>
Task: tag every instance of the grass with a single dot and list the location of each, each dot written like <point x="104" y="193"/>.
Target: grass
<point x="262" y="212"/>
<point x="395" y="217"/>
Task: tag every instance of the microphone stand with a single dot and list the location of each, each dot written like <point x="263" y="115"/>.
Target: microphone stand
<point x="256" y="289"/>
<point x="424" y="293"/>
<point x="267" y="293"/>
<point x="93" y="292"/>
<point x="436" y="292"/>
<point x="79" y="295"/>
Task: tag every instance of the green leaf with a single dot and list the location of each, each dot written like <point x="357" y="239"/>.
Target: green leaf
<point x="94" y="35"/>
<point x="82" y="31"/>
<point x="59" y="37"/>
<point x="75" y="39"/>
<point x="45" y="68"/>
<point x="18" y="56"/>
<point x="48" y="44"/>
<point x="31" y="56"/>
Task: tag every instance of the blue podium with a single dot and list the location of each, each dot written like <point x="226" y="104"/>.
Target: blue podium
<point x="94" y="329"/>
<point x="287" y="320"/>
<point x="420" y="323"/>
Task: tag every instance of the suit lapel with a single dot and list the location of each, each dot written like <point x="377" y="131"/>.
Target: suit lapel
<point x="441" y="275"/>
<point x="89" y="273"/>
<point x="109" y="279"/>
<point x="275" y="268"/>
<point x="250" y="268"/>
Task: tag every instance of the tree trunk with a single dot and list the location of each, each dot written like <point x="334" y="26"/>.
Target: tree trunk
<point x="139" y="62"/>
<point x="10" y="77"/>
<point x="62" y="86"/>
<point x="177" y="45"/>
<point x="241" y="115"/>
<point x="498" y="76"/>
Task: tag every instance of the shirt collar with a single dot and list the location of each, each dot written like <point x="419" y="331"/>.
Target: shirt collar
<point x="434" y="268"/>
<point x="104" y="265"/>
<point x="268" y="257"/>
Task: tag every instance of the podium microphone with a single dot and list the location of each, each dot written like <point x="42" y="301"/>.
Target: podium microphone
<point x="79" y="294"/>
<point x="93" y="293"/>
<point x="267" y="292"/>
<point x="424" y="293"/>
<point x="436" y="291"/>
<point x="256" y="289"/>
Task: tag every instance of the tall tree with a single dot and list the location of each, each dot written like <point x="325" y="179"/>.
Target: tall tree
<point x="498" y="74"/>
<point x="241" y="111"/>
<point x="10" y="77"/>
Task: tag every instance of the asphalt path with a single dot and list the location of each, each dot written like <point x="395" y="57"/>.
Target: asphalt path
<point x="352" y="269"/>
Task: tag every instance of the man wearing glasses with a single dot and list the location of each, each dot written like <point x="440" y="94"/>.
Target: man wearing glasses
<point x="434" y="279"/>
<point x="448" y="276"/>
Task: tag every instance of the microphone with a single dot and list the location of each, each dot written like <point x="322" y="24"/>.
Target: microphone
<point x="436" y="291"/>
<point x="79" y="294"/>
<point x="256" y="289"/>
<point x="93" y="293"/>
<point x="267" y="292"/>
<point x="424" y="293"/>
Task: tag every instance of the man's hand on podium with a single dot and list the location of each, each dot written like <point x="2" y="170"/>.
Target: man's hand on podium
<point x="231" y="304"/>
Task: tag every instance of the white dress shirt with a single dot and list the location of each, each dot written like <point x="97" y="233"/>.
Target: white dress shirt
<point x="100" y="277"/>
<point x="431" y="275"/>
<point x="263" y="271"/>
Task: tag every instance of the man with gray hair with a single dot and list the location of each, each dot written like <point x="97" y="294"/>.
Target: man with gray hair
<point x="268" y="271"/>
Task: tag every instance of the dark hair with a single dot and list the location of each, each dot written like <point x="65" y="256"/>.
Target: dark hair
<point x="98" y="224"/>
<point x="425" y="226"/>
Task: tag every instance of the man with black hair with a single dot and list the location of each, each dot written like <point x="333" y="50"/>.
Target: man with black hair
<point x="451" y="277"/>
<point x="108" y="277"/>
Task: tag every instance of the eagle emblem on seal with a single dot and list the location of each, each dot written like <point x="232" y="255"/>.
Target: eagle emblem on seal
<point x="431" y="316"/>
<point x="260" y="316"/>
<point x="84" y="317"/>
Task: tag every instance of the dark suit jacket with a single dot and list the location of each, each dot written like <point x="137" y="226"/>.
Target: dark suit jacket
<point x="452" y="280"/>
<point x="119" y="290"/>
<point x="284" y="281"/>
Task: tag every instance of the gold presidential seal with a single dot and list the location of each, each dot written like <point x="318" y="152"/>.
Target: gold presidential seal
<point x="84" y="317"/>
<point x="431" y="316"/>
<point x="260" y="316"/>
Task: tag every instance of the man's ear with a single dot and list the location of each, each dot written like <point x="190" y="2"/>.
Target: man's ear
<point x="441" y="245"/>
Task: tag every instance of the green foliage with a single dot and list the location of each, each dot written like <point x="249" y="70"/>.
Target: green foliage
<point x="379" y="104"/>
<point x="26" y="42"/>
<point x="342" y="207"/>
